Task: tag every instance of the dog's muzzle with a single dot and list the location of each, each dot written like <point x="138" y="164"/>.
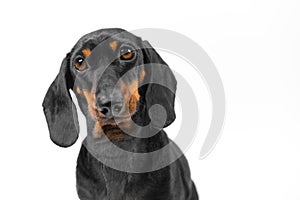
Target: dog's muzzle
<point x="109" y="101"/>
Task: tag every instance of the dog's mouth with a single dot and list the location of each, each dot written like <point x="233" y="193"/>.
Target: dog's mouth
<point x="113" y="132"/>
<point x="114" y="121"/>
<point x="110" y="128"/>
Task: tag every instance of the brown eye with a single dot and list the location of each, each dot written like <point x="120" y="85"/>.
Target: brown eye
<point x="78" y="64"/>
<point x="127" y="53"/>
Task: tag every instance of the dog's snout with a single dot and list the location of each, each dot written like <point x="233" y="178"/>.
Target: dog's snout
<point x="109" y="107"/>
<point x="109" y="95"/>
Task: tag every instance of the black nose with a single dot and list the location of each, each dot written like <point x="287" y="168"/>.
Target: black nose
<point x="105" y="110"/>
<point x="117" y="107"/>
<point x="108" y="108"/>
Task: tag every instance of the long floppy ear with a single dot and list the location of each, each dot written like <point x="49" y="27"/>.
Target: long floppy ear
<point x="161" y="88"/>
<point x="60" y="110"/>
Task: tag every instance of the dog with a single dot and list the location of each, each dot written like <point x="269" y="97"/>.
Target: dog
<point x="126" y="92"/>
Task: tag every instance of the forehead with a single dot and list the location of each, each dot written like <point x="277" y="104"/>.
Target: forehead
<point x="111" y="37"/>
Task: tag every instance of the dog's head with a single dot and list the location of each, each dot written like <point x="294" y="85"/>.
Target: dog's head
<point x="111" y="71"/>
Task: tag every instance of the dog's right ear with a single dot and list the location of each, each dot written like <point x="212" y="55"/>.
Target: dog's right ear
<point x="59" y="108"/>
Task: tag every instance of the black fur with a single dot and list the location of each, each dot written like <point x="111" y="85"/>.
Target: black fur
<point x="59" y="109"/>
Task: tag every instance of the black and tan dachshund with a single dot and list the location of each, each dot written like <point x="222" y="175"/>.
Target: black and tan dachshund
<point x="114" y="76"/>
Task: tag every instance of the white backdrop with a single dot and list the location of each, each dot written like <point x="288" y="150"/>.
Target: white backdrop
<point x="254" y="44"/>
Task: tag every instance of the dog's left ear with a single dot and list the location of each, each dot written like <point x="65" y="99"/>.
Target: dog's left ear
<point x="161" y="86"/>
<point x="60" y="110"/>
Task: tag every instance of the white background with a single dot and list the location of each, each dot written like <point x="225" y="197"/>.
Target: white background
<point x="254" y="44"/>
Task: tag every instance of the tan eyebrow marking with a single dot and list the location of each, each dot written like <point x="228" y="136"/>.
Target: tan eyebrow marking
<point x="113" y="45"/>
<point x="86" y="52"/>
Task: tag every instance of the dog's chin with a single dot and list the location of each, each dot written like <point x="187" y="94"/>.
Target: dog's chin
<point x="113" y="132"/>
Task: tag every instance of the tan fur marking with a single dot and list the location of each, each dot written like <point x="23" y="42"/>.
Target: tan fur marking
<point x="133" y="89"/>
<point x="78" y="90"/>
<point x="142" y="75"/>
<point x="113" y="45"/>
<point x="97" y="131"/>
<point x="91" y="101"/>
<point x="86" y="52"/>
<point x="131" y="96"/>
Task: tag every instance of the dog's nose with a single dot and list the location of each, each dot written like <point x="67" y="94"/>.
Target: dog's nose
<point x="117" y="107"/>
<point x="109" y="108"/>
<point x="105" y="111"/>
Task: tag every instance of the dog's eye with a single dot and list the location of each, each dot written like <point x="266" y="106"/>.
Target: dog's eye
<point x="127" y="53"/>
<point x="78" y="64"/>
